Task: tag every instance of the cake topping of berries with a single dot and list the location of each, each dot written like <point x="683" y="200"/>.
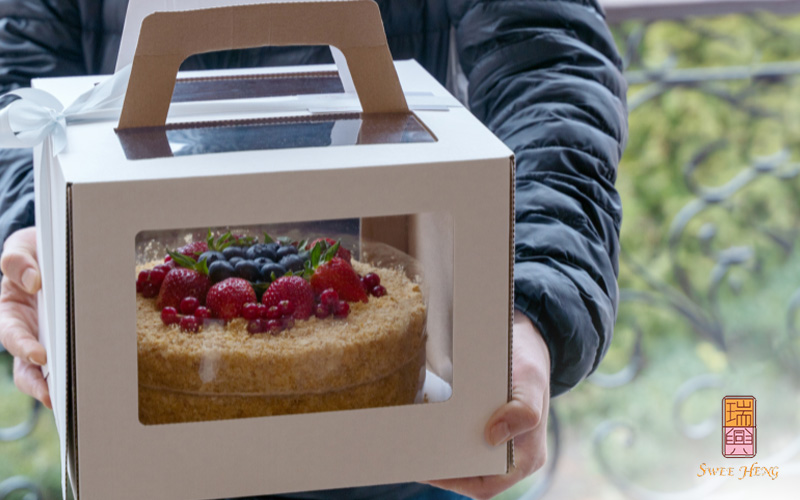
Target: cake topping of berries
<point x="226" y="299"/>
<point x="270" y="284"/>
<point x="180" y="283"/>
<point x="296" y="291"/>
<point x="339" y="275"/>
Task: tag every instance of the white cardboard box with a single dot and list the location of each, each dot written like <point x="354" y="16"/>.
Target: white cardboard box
<point x="92" y="201"/>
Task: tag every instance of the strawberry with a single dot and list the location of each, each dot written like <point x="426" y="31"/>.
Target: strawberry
<point x="179" y="283"/>
<point x="339" y="275"/>
<point x="227" y="298"/>
<point x="342" y="253"/>
<point x="193" y="250"/>
<point x="294" y="289"/>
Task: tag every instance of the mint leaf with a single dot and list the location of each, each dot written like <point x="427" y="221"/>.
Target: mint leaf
<point x="316" y="252"/>
<point x="331" y="253"/>
<point x="267" y="238"/>
<point x="189" y="263"/>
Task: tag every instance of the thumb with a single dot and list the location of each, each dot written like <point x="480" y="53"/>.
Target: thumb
<point x="18" y="262"/>
<point x="529" y="389"/>
<point x="516" y="417"/>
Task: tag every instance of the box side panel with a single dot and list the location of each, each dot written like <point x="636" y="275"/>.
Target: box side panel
<point x="511" y="257"/>
<point x="71" y="389"/>
<point x="120" y="458"/>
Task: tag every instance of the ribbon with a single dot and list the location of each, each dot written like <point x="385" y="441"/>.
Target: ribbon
<point x="37" y="115"/>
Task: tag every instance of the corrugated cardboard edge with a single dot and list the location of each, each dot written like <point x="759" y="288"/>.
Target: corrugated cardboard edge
<point x="512" y="234"/>
<point x="168" y="38"/>
<point x="71" y="413"/>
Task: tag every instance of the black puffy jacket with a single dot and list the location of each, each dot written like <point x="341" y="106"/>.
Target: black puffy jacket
<point x="544" y="75"/>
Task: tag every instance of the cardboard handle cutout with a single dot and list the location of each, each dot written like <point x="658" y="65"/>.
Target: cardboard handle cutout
<point x="168" y="38"/>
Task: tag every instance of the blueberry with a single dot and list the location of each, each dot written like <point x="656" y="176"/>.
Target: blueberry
<point x="220" y="270"/>
<point x="248" y="270"/>
<point x="234" y="260"/>
<point x="305" y="255"/>
<point x="287" y="250"/>
<point x="262" y="261"/>
<point x="232" y="252"/>
<point x="250" y="253"/>
<point x="292" y="263"/>
<point x="211" y="257"/>
<point x="269" y="269"/>
<point x="272" y="247"/>
<point x="261" y="250"/>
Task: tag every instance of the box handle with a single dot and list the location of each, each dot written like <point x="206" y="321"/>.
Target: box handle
<point x="168" y="38"/>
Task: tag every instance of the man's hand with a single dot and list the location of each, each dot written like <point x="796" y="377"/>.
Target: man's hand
<point x="18" y="320"/>
<point x="523" y="419"/>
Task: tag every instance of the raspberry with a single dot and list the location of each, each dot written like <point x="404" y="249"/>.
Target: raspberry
<point x="339" y="275"/>
<point x="202" y="313"/>
<point x="164" y="267"/>
<point x="250" y="311"/>
<point x="378" y="291"/>
<point x="144" y="277"/>
<point x="227" y="298"/>
<point x="329" y="298"/>
<point x="169" y="315"/>
<point x="371" y="280"/>
<point x="322" y="312"/>
<point x="190" y="324"/>
<point x="149" y="290"/>
<point x="157" y="276"/>
<point x="294" y="289"/>
<point x="139" y="287"/>
<point x="180" y="283"/>
<point x="262" y="310"/>
<point x="342" y="310"/>
<point x="273" y="313"/>
<point x="189" y="305"/>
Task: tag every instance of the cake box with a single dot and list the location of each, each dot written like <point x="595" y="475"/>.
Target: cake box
<point x="374" y="155"/>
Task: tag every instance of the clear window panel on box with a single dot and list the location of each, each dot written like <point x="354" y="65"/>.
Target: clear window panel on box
<point x="277" y="319"/>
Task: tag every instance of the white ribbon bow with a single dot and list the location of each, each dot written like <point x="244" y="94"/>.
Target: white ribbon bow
<point x="36" y="115"/>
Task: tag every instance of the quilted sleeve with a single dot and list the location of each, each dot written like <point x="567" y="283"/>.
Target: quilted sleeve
<point x="544" y="75"/>
<point x="37" y="38"/>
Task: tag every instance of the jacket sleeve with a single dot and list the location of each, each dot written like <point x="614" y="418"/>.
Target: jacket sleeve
<point x="37" y="38"/>
<point x="544" y="75"/>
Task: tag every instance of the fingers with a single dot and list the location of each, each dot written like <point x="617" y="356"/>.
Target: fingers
<point x="28" y="379"/>
<point x="21" y="343"/>
<point x="18" y="324"/>
<point x="18" y="262"/>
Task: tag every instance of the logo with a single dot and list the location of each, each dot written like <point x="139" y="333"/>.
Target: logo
<point x="738" y="427"/>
